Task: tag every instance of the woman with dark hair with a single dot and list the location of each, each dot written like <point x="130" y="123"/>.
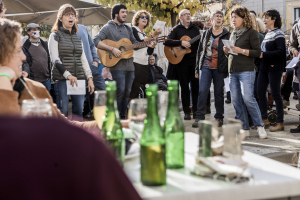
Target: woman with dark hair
<point x="272" y="64"/>
<point x="69" y="60"/>
<point x="13" y="87"/>
<point x="140" y="21"/>
<point x="241" y="69"/>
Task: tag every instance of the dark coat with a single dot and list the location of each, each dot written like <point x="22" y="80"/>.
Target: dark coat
<point x="27" y="45"/>
<point x="27" y="64"/>
<point x="163" y="77"/>
<point x="222" y="59"/>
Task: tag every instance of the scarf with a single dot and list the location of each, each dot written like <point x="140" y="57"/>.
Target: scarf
<point x="236" y="34"/>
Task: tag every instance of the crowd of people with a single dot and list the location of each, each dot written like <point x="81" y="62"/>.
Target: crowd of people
<point x="254" y="64"/>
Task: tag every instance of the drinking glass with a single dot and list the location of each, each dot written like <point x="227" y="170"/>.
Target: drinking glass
<point x="36" y="108"/>
<point x="163" y="97"/>
<point x="100" y="107"/>
<point x="137" y="115"/>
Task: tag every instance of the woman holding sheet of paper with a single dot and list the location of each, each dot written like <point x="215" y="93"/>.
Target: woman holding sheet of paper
<point x="69" y="61"/>
<point x="241" y="69"/>
<point x="272" y="64"/>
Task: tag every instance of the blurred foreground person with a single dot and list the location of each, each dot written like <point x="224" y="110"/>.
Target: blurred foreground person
<point x="51" y="159"/>
<point x="13" y="87"/>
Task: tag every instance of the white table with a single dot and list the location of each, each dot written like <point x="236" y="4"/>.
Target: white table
<point x="272" y="180"/>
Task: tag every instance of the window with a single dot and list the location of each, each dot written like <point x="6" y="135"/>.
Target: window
<point x="296" y="13"/>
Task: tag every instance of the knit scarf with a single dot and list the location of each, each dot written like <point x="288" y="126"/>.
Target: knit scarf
<point x="236" y="34"/>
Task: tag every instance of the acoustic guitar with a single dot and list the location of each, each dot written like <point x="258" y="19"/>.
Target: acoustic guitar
<point x="175" y="54"/>
<point x="108" y="59"/>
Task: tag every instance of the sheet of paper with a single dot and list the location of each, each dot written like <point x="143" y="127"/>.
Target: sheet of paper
<point x="293" y="62"/>
<point x="226" y="81"/>
<point x="228" y="44"/>
<point x="80" y="90"/>
<point x="159" y="24"/>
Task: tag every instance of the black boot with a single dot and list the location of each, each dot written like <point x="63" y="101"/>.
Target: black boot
<point x="195" y="124"/>
<point x="295" y="130"/>
<point x="228" y="100"/>
<point x="187" y="116"/>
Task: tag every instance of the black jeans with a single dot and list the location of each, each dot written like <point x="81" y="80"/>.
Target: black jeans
<point x="286" y="88"/>
<point x="186" y="72"/>
<point x="274" y="78"/>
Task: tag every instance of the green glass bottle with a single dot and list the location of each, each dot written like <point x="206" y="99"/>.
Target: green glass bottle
<point x="112" y="128"/>
<point x="174" y="130"/>
<point x="153" y="153"/>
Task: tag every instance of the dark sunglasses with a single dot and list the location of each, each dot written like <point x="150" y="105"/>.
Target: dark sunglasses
<point x="141" y="16"/>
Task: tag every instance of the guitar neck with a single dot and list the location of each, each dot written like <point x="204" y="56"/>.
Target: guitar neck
<point x="195" y="39"/>
<point x="138" y="45"/>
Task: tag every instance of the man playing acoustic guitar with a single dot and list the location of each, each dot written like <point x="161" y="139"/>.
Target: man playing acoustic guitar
<point x="186" y="68"/>
<point x="123" y="71"/>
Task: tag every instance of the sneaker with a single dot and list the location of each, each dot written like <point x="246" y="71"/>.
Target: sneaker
<point x="187" y="116"/>
<point x="246" y="132"/>
<point x="220" y="124"/>
<point x="295" y="130"/>
<point x="195" y="124"/>
<point x="286" y="103"/>
<point x="261" y="132"/>
<point x="278" y="127"/>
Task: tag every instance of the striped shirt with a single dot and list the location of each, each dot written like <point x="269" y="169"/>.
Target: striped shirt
<point x="115" y="32"/>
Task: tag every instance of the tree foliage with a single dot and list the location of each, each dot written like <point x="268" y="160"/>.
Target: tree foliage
<point x="163" y="10"/>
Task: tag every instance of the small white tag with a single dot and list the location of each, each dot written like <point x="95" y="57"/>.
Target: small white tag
<point x="80" y="90"/>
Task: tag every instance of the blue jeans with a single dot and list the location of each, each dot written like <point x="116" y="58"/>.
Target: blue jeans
<point x="62" y="100"/>
<point x="97" y="78"/>
<point x="241" y="88"/>
<point x="204" y="88"/>
<point x="124" y="80"/>
<point x="274" y="78"/>
<point x="47" y="84"/>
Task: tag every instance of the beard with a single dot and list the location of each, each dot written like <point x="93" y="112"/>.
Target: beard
<point x="120" y="19"/>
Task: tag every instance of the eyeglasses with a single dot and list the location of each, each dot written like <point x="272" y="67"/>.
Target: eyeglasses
<point x="68" y="14"/>
<point x="142" y="17"/>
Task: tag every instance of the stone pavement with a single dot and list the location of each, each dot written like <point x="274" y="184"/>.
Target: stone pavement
<point x="278" y="144"/>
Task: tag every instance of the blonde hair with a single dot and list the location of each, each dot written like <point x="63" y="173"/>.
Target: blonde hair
<point x="254" y="23"/>
<point x="260" y="25"/>
<point x="137" y="15"/>
<point x="64" y="9"/>
<point x="244" y="13"/>
<point x="9" y="33"/>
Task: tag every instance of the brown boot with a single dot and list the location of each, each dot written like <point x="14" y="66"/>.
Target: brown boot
<point x="278" y="127"/>
<point x="266" y="123"/>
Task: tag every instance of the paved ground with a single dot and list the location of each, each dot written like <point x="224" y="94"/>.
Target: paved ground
<point x="277" y="143"/>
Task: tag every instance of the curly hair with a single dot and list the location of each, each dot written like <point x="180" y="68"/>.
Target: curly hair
<point x="274" y="14"/>
<point x="2" y="7"/>
<point x="244" y="13"/>
<point x="64" y="9"/>
<point x="137" y="16"/>
<point x="9" y="33"/>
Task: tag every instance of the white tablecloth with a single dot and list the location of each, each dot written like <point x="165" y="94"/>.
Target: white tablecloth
<point x="272" y="179"/>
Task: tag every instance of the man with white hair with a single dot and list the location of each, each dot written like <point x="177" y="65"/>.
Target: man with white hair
<point x="186" y="68"/>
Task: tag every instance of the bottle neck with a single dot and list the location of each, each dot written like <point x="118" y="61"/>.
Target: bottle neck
<point x="152" y="110"/>
<point x="173" y="100"/>
<point x="111" y="101"/>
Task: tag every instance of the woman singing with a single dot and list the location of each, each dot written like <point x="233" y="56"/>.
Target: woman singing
<point x="69" y="60"/>
<point x="140" y="21"/>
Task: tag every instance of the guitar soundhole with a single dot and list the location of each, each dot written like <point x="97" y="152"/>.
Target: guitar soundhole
<point x="122" y="48"/>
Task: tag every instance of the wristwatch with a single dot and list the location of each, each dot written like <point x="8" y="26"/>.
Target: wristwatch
<point x="243" y="52"/>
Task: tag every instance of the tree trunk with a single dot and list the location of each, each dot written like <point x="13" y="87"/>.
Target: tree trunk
<point x="173" y="19"/>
